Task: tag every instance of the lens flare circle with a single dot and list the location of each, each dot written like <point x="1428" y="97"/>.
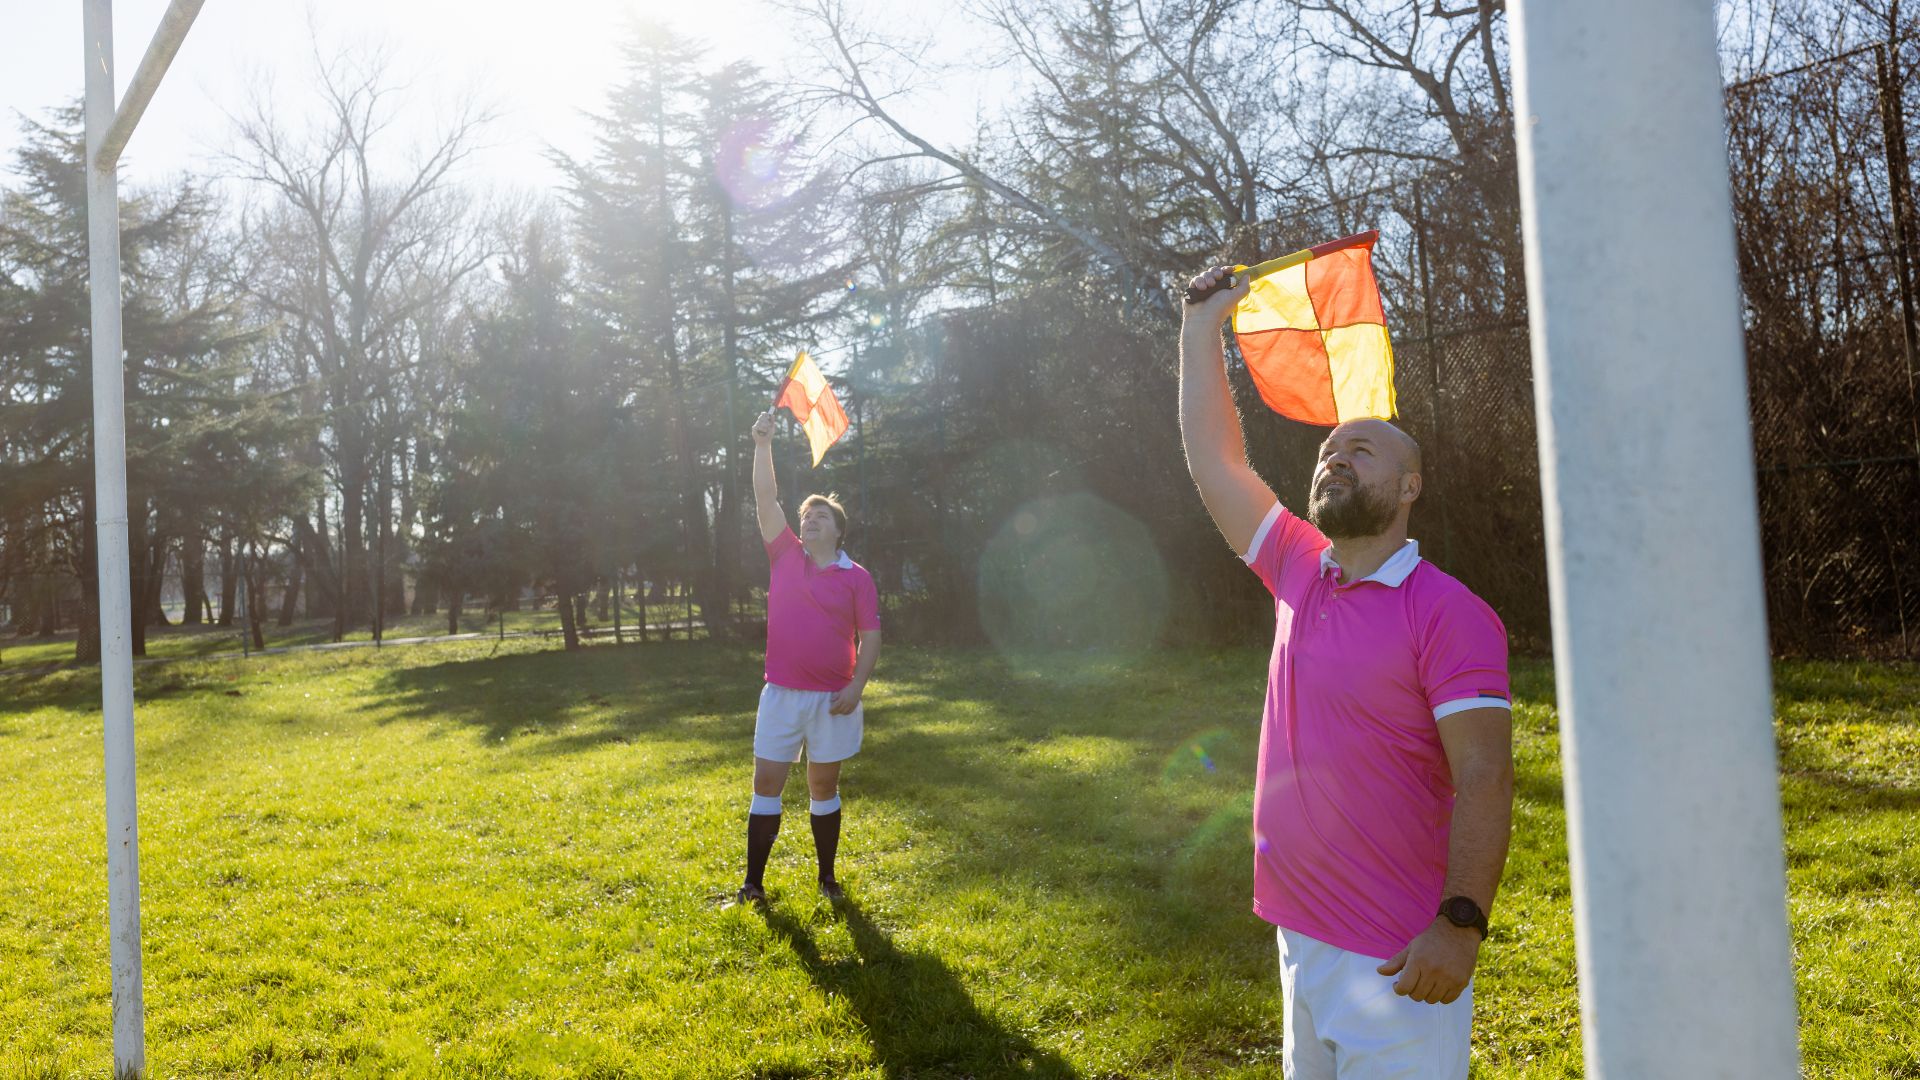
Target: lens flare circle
<point x="1072" y="573"/>
<point x="751" y="164"/>
<point x="1201" y="756"/>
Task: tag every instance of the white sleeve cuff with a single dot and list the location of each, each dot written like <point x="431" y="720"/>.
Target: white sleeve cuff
<point x="1260" y="534"/>
<point x="1448" y="708"/>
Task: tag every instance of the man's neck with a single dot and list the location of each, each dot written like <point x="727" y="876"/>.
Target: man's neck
<point x="1359" y="556"/>
<point x="824" y="553"/>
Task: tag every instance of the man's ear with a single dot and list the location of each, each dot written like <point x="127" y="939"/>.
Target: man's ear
<point x="1409" y="487"/>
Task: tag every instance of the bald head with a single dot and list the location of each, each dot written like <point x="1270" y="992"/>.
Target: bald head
<point x="1397" y="446"/>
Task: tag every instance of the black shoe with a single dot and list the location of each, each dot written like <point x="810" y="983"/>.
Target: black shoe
<point x="751" y="894"/>
<point x="831" y="889"/>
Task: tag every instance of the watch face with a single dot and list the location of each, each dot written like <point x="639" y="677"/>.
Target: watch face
<point x="1462" y="911"/>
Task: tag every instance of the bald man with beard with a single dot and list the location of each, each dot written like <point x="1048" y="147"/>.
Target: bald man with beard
<point x="1384" y="796"/>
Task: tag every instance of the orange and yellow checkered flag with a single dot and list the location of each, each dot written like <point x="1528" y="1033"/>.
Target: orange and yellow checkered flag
<point x="806" y="394"/>
<point x="1314" y="335"/>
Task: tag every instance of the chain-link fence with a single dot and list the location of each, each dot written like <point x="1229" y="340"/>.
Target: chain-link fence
<point x="1823" y="201"/>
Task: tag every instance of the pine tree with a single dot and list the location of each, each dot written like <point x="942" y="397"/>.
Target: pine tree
<point x="763" y="224"/>
<point x="204" y="437"/>
<point x="533" y="436"/>
<point x="640" y="281"/>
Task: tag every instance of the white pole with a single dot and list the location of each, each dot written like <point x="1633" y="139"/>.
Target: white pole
<point x="110" y="513"/>
<point x="167" y="37"/>
<point x="1653" y="556"/>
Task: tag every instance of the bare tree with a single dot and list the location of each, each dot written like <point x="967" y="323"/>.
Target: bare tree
<point x="352" y="245"/>
<point x="853" y="53"/>
<point x="1449" y="57"/>
<point x="1154" y="136"/>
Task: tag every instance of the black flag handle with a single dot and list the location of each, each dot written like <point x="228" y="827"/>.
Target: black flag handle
<point x="1194" y="295"/>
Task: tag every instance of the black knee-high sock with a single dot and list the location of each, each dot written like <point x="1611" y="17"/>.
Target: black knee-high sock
<point x="761" y="829"/>
<point x="826" y="841"/>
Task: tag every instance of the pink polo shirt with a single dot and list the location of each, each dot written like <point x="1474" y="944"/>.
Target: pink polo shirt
<point x="1353" y="800"/>
<point x="814" y="615"/>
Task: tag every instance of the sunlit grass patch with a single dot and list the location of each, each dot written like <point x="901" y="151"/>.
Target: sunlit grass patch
<point x="498" y="859"/>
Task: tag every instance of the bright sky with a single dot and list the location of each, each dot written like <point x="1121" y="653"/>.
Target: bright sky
<point x="541" y="62"/>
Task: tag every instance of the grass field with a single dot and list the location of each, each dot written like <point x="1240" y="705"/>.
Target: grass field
<point x="182" y="642"/>
<point x="477" y="859"/>
<point x="188" y="642"/>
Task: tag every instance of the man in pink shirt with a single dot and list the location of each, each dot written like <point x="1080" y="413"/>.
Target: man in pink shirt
<point x="823" y="637"/>
<point x="1384" y="795"/>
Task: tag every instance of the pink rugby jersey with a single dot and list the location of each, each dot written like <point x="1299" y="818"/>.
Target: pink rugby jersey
<point x="814" y="615"/>
<point x="1353" y="799"/>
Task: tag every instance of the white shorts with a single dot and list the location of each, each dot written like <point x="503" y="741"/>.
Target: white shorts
<point x="1344" y="1021"/>
<point x="792" y="720"/>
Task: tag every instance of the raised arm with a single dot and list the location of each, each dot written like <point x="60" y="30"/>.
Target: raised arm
<point x="766" y="494"/>
<point x="1209" y="425"/>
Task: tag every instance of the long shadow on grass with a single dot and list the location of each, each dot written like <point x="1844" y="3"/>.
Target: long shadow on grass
<point x="77" y="689"/>
<point x="946" y="726"/>
<point x="580" y="701"/>
<point x="919" y="1016"/>
<point x="1835" y="791"/>
<point x="975" y="740"/>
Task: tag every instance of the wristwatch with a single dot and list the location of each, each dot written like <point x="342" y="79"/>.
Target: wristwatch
<point x="1463" y="912"/>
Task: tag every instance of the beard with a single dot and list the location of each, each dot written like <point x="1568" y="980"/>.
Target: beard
<point x="1351" y="511"/>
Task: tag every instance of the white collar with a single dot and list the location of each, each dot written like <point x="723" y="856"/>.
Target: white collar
<point x="839" y="563"/>
<point x="1392" y="573"/>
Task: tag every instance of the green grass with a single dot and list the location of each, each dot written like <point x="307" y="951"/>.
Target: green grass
<point x="176" y="642"/>
<point x="1849" y="739"/>
<point x="479" y="860"/>
<point x="181" y="642"/>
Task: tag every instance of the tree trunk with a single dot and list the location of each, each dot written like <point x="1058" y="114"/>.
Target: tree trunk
<point x="86" y="649"/>
<point x="699" y="554"/>
<point x="726" y="547"/>
<point x="289" y="602"/>
<point x="454" y="598"/>
<point x="193" y="580"/>
<point x="425" y="600"/>
<point x="396" y="579"/>
<point x="387" y="590"/>
<point x="353" y="607"/>
<point x="37" y="596"/>
<point x="139" y="571"/>
<point x="568" y="627"/>
<point x="158" y="558"/>
<point x="640" y="600"/>
<point x="255" y="601"/>
<point x="316" y="553"/>
<point x="402" y="539"/>
<point x="229" y="584"/>
<point x="47" y="604"/>
<point x="373" y="518"/>
<point x="157" y="588"/>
